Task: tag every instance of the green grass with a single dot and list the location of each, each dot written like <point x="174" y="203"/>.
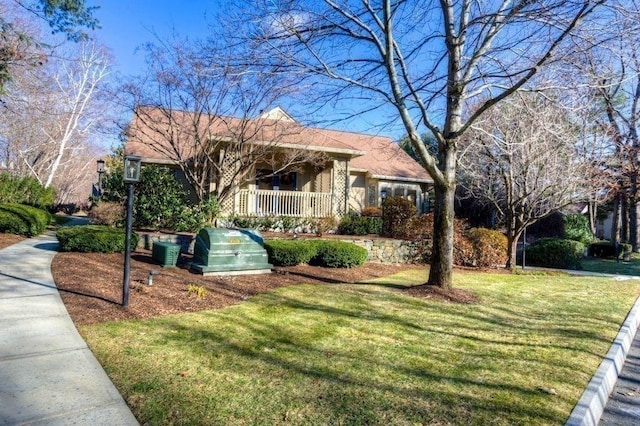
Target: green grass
<point x="368" y="354"/>
<point x="610" y="266"/>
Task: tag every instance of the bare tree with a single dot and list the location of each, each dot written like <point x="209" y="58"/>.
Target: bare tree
<point x="50" y="115"/>
<point x="422" y="62"/>
<point x="522" y="158"/>
<point x="612" y="73"/>
<point x="196" y="111"/>
<point x="20" y="46"/>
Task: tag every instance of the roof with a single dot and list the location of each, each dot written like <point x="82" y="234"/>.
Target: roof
<point x="377" y="155"/>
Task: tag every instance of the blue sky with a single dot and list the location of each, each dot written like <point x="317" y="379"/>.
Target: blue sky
<point x="126" y="24"/>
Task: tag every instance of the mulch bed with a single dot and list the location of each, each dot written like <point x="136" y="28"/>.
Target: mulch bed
<point x="9" y="239"/>
<point x="91" y="285"/>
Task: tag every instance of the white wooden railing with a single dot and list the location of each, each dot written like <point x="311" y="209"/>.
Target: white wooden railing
<point x="283" y="203"/>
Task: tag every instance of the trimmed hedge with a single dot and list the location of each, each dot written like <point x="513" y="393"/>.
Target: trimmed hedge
<point x="340" y="254"/>
<point x="329" y="253"/>
<point x="355" y="224"/>
<point x="555" y="253"/>
<point x="290" y="252"/>
<point x="23" y="220"/>
<point x="607" y="249"/>
<point x="94" y="239"/>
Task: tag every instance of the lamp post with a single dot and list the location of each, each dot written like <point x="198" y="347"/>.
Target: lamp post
<point x="131" y="176"/>
<point x="100" y="168"/>
<point x="524" y="237"/>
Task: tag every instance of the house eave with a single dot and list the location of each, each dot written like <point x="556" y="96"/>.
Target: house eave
<point x="402" y="179"/>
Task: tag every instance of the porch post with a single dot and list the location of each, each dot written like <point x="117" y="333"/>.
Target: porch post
<point x="340" y="186"/>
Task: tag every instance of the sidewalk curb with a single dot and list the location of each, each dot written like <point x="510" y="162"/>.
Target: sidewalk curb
<point x="591" y="405"/>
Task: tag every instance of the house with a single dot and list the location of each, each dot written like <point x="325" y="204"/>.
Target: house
<point x="273" y="165"/>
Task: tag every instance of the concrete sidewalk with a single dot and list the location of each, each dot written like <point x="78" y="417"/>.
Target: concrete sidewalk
<point x="48" y="375"/>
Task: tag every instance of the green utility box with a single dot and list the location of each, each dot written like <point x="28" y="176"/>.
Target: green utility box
<point x="166" y="254"/>
<point x="221" y="251"/>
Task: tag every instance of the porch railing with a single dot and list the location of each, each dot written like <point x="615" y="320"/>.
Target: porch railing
<point x="283" y="203"/>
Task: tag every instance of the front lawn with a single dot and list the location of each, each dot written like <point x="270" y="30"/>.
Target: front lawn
<point x="369" y="354"/>
<point x="610" y="266"/>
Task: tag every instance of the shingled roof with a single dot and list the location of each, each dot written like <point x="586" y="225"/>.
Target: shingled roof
<point x="378" y="156"/>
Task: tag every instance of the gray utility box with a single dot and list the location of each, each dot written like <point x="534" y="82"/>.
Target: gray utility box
<point x="221" y="251"/>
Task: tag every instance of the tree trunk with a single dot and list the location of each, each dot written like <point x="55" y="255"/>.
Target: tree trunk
<point x="615" y="225"/>
<point x="512" y="248"/>
<point x="632" y="206"/>
<point x="624" y="220"/>
<point x="441" y="272"/>
<point x="592" y="210"/>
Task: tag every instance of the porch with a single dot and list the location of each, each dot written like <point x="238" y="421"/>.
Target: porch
<point x="263" y="202"/>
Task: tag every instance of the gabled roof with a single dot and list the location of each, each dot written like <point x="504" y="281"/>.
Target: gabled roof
<point x="379" y="156"/>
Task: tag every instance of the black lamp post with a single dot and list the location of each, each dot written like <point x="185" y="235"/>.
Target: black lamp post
<point x="131" y="176"/>
<point x="100" y="168"/>
<point x="524" y="236"/>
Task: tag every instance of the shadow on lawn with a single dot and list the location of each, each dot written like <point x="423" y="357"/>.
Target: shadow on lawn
<point x="351" y="381"/>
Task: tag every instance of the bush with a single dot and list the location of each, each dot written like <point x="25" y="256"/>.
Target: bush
<point x="354" y="224"/>
<point x="94" y="239"/>
<point x="576" y="227"/>
<point x="25" y="190"/>
<point x="23" y="220"/>
<point x="198" y="216"/>
<point x="107" y="213"/>
<point x="421" y="231"/>
<point x="330" y="253"/>
<point x="290" y="252"/>
<point x="490" y="247"/>
<point x="371" y="212"/>
<point x="397" y="213"/>
<point x="339" y="254"/>
<point x="607" y="249"/>
<point x="555" y="253"/>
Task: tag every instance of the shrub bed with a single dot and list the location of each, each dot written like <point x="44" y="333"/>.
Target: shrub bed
<point x="94" y="239"/>
<point x="607" y="249"/>
<point x="23" y="220"/>
<point x="356" y="224"/>
<point x="290" y="252"/>
<point x="25" y="190"/>
<point x="340" y="254"/>
<point x="332" y="254"/>
<point x="555" y="253"/>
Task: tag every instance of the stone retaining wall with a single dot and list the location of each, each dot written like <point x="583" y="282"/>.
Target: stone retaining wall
<point x="380" y="249"/>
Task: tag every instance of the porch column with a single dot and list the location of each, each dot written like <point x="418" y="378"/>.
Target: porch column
<point x="340" y="186"/>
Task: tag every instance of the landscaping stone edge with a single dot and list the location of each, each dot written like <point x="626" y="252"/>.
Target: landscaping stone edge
<point x="591" y="405"/>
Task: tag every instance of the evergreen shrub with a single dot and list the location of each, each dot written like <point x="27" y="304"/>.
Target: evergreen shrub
<point x="576" y="227"/>
<point x="606" y="249"/>
<point x="555" y="253"/>
<point x="25" y="190"/>
<point x="290" y="252"/>
<point x="23" y="220"/>
<point x="94" y="239"/>
<point x="355" y="224"/>
<point x="339" y="254"/>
